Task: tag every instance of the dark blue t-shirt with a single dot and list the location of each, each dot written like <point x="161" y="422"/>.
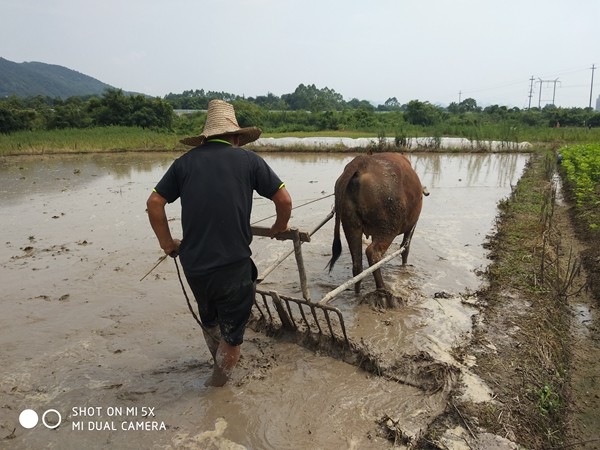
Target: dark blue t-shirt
<point x="215" y="183"/>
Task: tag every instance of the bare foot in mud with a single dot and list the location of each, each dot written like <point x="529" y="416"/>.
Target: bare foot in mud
<point x="383" y="299"/>
<point x="226" y="357"/>
<point x="217" y="379"/>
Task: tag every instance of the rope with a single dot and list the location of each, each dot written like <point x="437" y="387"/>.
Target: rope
<point x="187" y="299"/>
<point x="295" y="207"/>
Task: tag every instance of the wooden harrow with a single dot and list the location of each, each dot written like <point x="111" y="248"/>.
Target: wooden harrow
<point x="308" y="319"/>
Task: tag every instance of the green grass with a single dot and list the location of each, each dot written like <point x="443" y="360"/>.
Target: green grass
<point x="116" y="138"/>
<point x="549" y="401"/>
<point x="522" y="214"/>
<point x="99" y="139"/>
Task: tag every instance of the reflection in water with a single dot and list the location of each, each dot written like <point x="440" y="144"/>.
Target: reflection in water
<point x="24" y="175"/>
<point x="436" y="170"/>
<point x="54" y="172"/>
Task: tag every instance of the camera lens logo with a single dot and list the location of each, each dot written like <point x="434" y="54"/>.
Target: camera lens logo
<point x="29" y="418"/>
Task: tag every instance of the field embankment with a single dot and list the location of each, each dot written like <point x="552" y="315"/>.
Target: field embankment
<point x="537" y="340"/>
<point x="122" y="138"/>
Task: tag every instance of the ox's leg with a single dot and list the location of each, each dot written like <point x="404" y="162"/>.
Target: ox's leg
<point x="375" y="252"/>
<point x="354" y="238"/>
<point x="405" y="252"/>
<point x="382" y="297"/>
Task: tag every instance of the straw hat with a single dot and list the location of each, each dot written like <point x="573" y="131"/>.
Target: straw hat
<point x="221" y="121"/>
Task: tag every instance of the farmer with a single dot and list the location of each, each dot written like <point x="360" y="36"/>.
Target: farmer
<point x="215" y="181"/>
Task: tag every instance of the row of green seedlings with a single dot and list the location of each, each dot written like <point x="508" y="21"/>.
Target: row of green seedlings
<point x="581" y="164"/>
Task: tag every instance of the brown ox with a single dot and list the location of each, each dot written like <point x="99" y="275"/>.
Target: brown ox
<point x="377" y="195"/>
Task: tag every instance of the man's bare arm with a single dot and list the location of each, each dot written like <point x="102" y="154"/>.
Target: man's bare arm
<point x="283" y="208"/>
<point x="158" y="220"/>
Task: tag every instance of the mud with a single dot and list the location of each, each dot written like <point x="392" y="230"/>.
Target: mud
<point x="81" y="333"/>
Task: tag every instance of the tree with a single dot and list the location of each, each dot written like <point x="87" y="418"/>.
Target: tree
<point x="309" y="98"/>
<point x="467" y="105"/>
<point x="9" y="121"/>
<point x="115" y="108"/>
<point x="269" y="102"/>
<point x="495" y="110"/>
<point x="453" y="108"/>
<point x="360" y="104"/>
<point x="111" y="109"/>
<point x="422" y="113"/>
<point x="360" y="118"/>
<point x="69" y="114"/>
<point x="327" y="120"/>
<point x="391" y="104"/>
<point x="248" y="114"/>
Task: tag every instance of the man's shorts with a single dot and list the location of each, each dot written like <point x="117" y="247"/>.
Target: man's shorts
<point x="225" y="298"/>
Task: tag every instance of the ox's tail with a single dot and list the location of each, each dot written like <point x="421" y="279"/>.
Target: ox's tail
<point x="336" y="247"/>
<point x="347" y="183"/>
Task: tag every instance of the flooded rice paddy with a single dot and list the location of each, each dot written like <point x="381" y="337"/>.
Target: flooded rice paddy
<point x="97" y="350"/>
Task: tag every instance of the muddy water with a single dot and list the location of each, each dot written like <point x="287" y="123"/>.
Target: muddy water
<point x="86" y="342"/>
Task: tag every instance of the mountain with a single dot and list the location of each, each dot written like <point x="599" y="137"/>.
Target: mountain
<point x="29" y="79"/>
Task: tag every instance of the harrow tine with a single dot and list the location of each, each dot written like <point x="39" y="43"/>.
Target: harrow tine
<point x="300" y="307"/>
<point x="285" y="313"/>
<point x="287" y="320"/>
<point x="266" y="305"/>
<point x="342" y="325"/>
<point x="329" y="325"/>
<point x="314" y="313"/>
<point x="287" y="305"/>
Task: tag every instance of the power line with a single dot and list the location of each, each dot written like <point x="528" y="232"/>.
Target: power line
<point x="508" y="84"/>
<point x="549" y="75"/>
<point x="548" y="79"/>
<point x="564" y="72"/>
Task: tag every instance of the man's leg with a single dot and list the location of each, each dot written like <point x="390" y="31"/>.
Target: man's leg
<point x="225" y="296"/>
<point x="212" y="336"/>
<point x="226" y="358"/>
<point x="233" y="312"/>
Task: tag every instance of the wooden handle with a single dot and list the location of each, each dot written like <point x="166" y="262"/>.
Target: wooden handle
<point x="288" y="234"/>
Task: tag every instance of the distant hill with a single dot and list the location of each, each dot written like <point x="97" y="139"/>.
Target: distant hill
<point x="29" y="79"/>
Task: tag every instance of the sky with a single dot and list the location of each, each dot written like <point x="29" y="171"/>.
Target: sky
<point x="440" y="51"/>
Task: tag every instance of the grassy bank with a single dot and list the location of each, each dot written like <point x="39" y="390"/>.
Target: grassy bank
<point x="115" y="139"/>
<point x="99" y="139"/>
<point x="118" y="138"/>
<point x="522" y="342"/>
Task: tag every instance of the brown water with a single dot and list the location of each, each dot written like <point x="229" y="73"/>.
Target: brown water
<point x="78" y="328"/>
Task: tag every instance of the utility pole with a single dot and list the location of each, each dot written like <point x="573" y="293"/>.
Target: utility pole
<point x="554" y="91"/>
<point x="460" y="94"/>
<point x="530" y="91"/>
<point x="592" y="84"/>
